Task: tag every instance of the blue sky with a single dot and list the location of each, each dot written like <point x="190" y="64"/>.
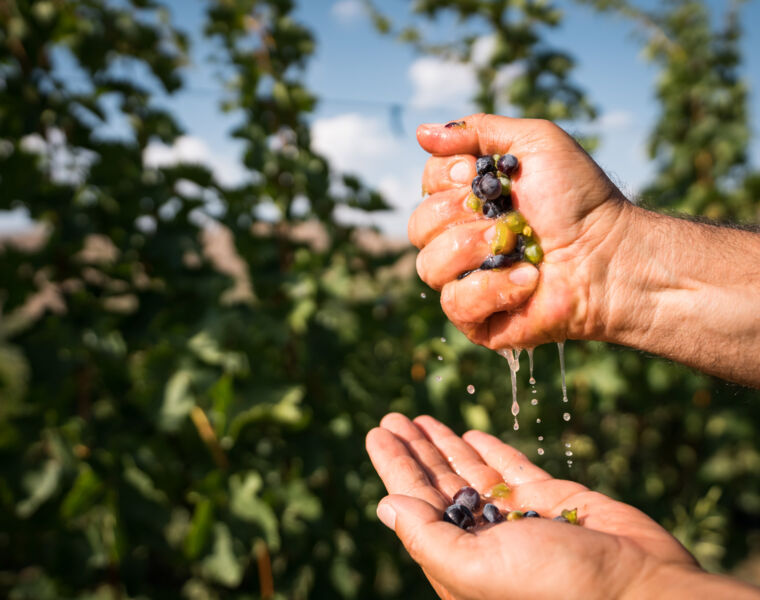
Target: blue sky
<point x="359" y="75"/>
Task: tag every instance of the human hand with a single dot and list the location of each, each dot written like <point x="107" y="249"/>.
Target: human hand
<point x="575" y="210"/>
<point x="618" y="551"/>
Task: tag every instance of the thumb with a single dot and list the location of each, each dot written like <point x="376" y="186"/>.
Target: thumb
<point x="430" y="541"/>
<point x="478" y="134"/>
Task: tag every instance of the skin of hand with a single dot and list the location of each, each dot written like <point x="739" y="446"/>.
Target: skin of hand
<point x="616" y="552"/>
<point x="611" y="271"/>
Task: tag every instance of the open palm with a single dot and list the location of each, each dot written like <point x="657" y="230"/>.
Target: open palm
<point x="572" y="206"/>
<point x="423" y="464"/>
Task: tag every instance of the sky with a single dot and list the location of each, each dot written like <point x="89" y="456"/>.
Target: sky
<point x="360" y="75"/>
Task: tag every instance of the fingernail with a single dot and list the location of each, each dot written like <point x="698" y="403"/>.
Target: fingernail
<point x="387" y="515"/>
<point x="524" y="275"/>
<point x="460" y="172"/>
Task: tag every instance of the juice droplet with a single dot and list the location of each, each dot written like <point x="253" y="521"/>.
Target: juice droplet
<point x="514" y="365"/>
<point x="540" y="438"/>
<point x="534" y="401"/>
<point x="540" y="451"/>
<point x="516" y="426"/>
<point x="566" y="416"/>
<point x="423" y="295"/>
<point x="538" y="420"/>
<point x="440" y="357"/>
<point x="568" y="453"/>
<point x="561" y="348"/>
<point x="532" y="380"/>
<point x="569" y="463"/>
<point x="567" y="444"/>
<point x="437" y="377"/>
<point x="443" y="339"/>
<point x="470" y="389"/>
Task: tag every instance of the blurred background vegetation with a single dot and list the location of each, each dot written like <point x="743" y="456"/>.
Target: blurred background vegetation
<point x="170" y="427"/>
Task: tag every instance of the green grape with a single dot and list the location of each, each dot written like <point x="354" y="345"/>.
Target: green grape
<point x="515" y="222"/>
<point x="533" y="253"/>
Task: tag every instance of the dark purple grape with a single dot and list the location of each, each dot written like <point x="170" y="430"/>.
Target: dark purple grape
<point x="451" y="124"/>
<point x="491" y="209"/>
<point x="476" y="187"/>
<point x="507" y="164"/>
<point x="459" y="515"/>
<point x="465" y="274"/>
<point x="561" y="519"/>
<point x="492" y="514"/>
<point x="500" y="261"/>
<point x="485" y="165"/>
<point x="533" y="514"/>
<point x="468" y="496"/>
<point x="520" y="245"/>
<point x="489" y="187"/>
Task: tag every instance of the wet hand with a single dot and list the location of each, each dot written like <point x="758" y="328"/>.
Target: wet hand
<point x="616" y="552"/>
<point x="575" y="210"/>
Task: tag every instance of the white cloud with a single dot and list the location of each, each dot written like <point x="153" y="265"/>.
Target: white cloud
<point x="352" y="141"/>
<point x="482" y="50"/>
<point x="365" y="146"/>
<point x="190" y="149"/>
<point x="442" y="83"/>
<point x="347" y="11"/>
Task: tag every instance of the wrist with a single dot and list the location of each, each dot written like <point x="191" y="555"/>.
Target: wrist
<point x="633" y="279"/>
<point x="608" y="282"/>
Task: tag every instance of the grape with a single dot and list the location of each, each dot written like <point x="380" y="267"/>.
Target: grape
<point x="485" y="165"/>
<point x="500" y="239"/>
<point x="476" y="186"/>
<point x="561" y="519"/>
<point x="533" y="252"/>
<point x="500" y="261"/>
<point x="532" y="514"/>
<point x="514" y="515"/>
<point x="520" y="246"/>
<point x="473" y="202"/>
<point x="515" y="222"/>
<point x="491" y="514"/>
<point x="468" y="496"/>
<point x="506" y="185"/>
<point x="571" y="515"/>
<point x="495" y="208"/>
<point x="456" y="124"/>
<point x="508" y="164"/>
<point x="489" y="187"/>
<point x="459" y="515"/>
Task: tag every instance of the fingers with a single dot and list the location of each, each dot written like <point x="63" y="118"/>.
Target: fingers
<point x="485" y="134"/>
<point x="427" y="455"/>
<point x="513" y="466"/>
<point x="430" y="541"/>
<point x="399" y="470"/>
<point x="483" y="293"/>
<point x="465" y="461"/>
<point x="439" y="212"/>
<point x="541" y="318"/>
<point x="446" y="172"/>
<point x="459" y="249"/>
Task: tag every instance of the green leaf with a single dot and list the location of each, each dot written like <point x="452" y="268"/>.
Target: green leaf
<point x="40" y="485"/>
<point x="223" y="565"/>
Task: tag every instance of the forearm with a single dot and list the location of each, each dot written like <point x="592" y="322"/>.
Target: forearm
<point x="686" y="291"/>
<point x="684" y="583"/>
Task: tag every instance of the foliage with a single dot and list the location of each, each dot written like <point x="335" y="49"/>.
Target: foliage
<point x="699" y="142"/>
<point x="160" y="437"/>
